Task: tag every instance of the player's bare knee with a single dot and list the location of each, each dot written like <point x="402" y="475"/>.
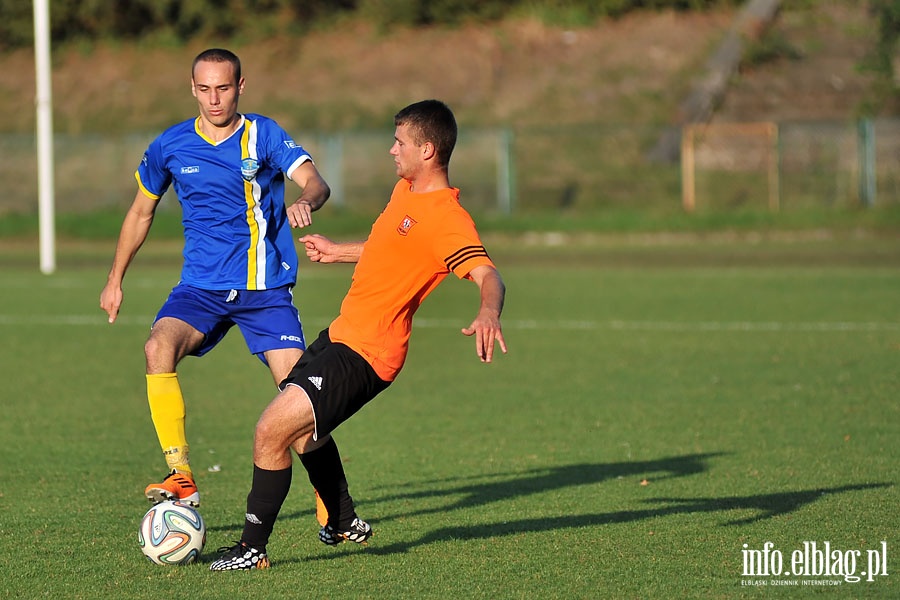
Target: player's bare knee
<point x="152" y="349"/>
<point x="278" y="433"/>
<point x="265" y="434"/>
<point x="270" y="443"/>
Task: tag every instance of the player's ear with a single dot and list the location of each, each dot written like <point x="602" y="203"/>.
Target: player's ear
<point x="193" y="88"/>
<point x="241" y="86"/>
<point x="428" y="151"/>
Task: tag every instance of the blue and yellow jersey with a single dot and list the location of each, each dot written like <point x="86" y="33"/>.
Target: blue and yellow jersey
<point x="236" y="231"/>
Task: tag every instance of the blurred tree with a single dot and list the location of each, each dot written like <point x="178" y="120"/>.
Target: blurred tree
<point x="187" y="19"/>
<point x="884" y="60"/>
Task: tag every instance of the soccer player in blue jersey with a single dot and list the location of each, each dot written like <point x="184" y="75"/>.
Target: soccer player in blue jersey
<point x="240" y="263"/>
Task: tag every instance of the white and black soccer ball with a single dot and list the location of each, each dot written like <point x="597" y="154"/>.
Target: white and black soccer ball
<point x="172" y="533"/>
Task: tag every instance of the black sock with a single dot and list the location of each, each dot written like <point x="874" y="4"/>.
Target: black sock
<point x="264" y="501"/>
<point x="326" y="474"/>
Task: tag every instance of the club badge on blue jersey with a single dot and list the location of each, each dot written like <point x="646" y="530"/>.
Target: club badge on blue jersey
<point x="249" y="167"/>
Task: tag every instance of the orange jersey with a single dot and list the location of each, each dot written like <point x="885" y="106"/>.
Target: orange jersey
<point x="414" y="244"/>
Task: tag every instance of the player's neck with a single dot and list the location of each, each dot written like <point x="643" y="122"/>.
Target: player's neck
<point x="218" y="133"/>
<point x="429" y="181"/>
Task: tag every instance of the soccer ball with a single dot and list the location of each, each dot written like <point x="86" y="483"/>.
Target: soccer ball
<point x="172" y="533"/>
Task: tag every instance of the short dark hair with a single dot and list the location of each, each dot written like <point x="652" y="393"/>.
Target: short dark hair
<point x="431" y="121"/>
<point x="219" y="55"/>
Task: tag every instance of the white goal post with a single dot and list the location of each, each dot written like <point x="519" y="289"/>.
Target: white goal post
<point x="44" y="114"/>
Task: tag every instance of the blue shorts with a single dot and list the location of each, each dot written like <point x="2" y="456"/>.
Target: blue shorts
<point x="268" y="319"/>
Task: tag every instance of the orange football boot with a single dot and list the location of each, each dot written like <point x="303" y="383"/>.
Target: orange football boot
<point x="176" y="486"/>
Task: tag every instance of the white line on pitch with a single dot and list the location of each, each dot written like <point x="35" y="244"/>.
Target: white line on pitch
<point x="621" y="325"/>
<point x="524" y="324"/>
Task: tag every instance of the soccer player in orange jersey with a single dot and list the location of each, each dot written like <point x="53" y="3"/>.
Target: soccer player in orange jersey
<point x="422" y="236"/>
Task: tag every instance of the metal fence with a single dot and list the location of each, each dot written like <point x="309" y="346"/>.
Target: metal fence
<point x="575" y="169"/>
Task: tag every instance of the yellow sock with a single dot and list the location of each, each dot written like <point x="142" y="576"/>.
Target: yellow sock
<point x="167" y="412"/>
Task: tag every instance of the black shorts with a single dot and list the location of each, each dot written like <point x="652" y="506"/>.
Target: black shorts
<point x="337" y="380"/>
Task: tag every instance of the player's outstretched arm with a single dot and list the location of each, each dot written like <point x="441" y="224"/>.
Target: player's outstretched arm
<point x="321" y="249"/>
<point x="486" y="326"/>
<point x="135" y="228"/>
<point x="315" y="193"/>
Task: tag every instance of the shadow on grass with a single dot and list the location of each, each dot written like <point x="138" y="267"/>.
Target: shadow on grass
<point x="765" y="506"/>
<point x="492" y="489"/>
<point x="498" y="487"/>
<point x="489" y="488"/>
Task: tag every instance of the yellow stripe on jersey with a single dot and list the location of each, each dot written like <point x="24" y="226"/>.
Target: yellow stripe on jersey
<point x="145" y="191"/>
<point x="201" y="134"/>
<point x="251" y="197"/>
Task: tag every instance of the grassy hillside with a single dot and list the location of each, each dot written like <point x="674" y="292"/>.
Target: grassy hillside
<point x="584" y="104"/>
<point x="520" y="72"/>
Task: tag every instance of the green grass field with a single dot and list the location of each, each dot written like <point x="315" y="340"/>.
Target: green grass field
<point x="664" y="409"/>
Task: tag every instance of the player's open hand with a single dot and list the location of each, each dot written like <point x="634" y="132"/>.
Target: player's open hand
<point x="486" y="326"/>
<point x="487" y="332"/>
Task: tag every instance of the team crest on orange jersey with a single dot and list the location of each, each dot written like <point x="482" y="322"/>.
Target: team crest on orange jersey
<point x="405" y="225"/>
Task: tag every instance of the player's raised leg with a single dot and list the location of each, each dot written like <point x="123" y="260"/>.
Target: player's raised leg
<point x="170" y="341"/>
<point x="167" y="412"/>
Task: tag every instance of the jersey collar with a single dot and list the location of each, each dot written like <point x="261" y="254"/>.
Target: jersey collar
<point x="210" y="141"/>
